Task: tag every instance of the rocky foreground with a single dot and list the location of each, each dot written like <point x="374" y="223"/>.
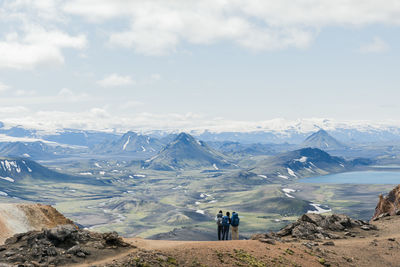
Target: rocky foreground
<point x="62" y="245"/>
<point x="318" y="227"/>
<point x="20" y="218"/>
<point x="313" y="240"/>
<point x="388" y="205"/>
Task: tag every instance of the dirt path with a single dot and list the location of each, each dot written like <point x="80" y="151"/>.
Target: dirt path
<point x="377" y="248"/>
<point x="217" y="253"/>
<point x="370" y="248"/>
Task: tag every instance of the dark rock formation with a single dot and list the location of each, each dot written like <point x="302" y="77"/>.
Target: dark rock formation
<point x="388" y="205"/>
<point x="61" y="245"/>
<point x="315" y="226"/>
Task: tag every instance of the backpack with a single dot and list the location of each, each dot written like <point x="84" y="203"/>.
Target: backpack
<point x="235" y="219"/>
<point x="225" y="221"/>
<point x="219" y="219"/>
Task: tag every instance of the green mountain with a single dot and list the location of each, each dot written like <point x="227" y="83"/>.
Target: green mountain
<point x="186" y="152"/>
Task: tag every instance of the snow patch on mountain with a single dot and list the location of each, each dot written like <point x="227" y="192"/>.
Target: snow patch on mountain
<point x="126" y="143"/>
<point x="302" y="159"/>
<point x="283" y="176"/>
<point x="291" y="172"/>
<point x="287" y="192"/>
<point x="319" y="209"/>
<point x="8" y="179"/>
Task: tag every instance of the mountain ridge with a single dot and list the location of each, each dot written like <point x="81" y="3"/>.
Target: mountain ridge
<point x="185" y="151"/>
<point x="322" y="140"/>
<point x="304" y="162"/>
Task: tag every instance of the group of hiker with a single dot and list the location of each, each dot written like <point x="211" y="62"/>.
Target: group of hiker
<point x="224" y="222"/>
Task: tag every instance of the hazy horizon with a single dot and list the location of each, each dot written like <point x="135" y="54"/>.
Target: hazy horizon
<point x="186" y="64"/>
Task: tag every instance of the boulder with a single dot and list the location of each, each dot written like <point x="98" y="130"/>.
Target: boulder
<point x="305" y="230"/>
<point x="61" y="232"/>
<point x="388" y="205"/>
<point x="287" y="230"/>
<point x="312" y="218"/>
<point x="317" y="226"/>
<point x="61" y="245"/>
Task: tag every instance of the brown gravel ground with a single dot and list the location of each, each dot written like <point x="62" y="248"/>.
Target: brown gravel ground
<point x="369" y="248"/>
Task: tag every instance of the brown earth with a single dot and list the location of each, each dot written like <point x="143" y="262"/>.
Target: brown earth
<point x="388" y="205"/>
<point x="369" y="248"/>
<point x="21" y="218"/>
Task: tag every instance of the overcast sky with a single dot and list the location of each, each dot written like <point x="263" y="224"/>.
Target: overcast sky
<point x="183" y="63"/>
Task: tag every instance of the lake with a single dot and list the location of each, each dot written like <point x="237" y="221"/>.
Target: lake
<point x="361" y="177"/>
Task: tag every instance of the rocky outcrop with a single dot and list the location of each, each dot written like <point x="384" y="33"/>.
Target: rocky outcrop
<point x="316" y="226"/>
<point x="62" y="245"/>
<point x="388" y="205"/>
<point x="20" y="218"/>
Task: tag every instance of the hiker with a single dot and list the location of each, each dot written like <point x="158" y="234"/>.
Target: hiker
<point x="218" y="219"/>
<point x="226" y="221"/>
<point x="235" y="225"/>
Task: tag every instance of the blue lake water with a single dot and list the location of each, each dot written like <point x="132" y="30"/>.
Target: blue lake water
<point x="362" y="177"/>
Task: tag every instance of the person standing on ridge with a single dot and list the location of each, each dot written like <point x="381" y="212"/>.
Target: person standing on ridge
<point x="226" y="222"/>
<point x="235" y="226"/>
<point x="218" y="219"/>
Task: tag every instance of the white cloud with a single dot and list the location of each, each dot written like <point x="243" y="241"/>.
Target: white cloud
<point x="114" y="80"/>
<point x="7" y="111"/>
<point x="33" y="36"/>
<point x="66" y="94"/>
<point x="99" y="113"/>
<point x="25" y="93"/>
<point x="156" y="77"/>
<point x="155" y="27"/>
<point x="3" y="87"/>
<point x="377" y="45"/>
<point x="37" y="47"/>
<point x="158" y="27"/>
<point x="131" y="104"/>
<point x="99" y="118"/>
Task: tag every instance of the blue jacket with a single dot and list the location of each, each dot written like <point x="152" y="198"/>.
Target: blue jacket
<point x="226" y="221"/>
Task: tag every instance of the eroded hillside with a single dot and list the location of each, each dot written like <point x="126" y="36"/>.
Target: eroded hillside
<point x="20" y="218"/>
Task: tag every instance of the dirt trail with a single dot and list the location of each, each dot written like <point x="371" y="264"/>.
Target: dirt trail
<point x="215" y="253"/>
<point x="373" y="248"/>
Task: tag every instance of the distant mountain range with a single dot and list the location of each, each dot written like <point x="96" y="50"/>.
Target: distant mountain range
<point x="187" y="152"/>
<point x="240" y="149"/>
<point x="35" y="150"/>
<point x="20" y="170"/>
<point x="275" y="131"/>
<point x="322" y="140"/>
<point x="69" y="143"/>
<point x="305" y="162"/>
<point x="130" y="143"/>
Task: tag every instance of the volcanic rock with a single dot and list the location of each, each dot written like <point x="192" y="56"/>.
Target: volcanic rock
<point x="317" y="226"/>
<point x="62" y="245"/>
<point x="388" y="205"/>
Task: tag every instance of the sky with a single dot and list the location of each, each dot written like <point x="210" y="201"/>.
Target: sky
<point x="156" y="64"/>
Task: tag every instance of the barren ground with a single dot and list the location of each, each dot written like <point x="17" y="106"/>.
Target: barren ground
<point x="373" y="248"/>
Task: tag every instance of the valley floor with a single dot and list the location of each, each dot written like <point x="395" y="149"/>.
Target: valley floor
<point x="373" y="248"/>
